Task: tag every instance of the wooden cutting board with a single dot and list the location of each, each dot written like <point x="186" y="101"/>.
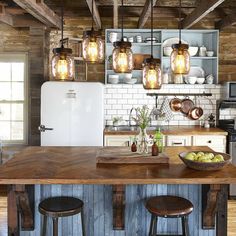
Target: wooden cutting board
<point x="123" y="155"/>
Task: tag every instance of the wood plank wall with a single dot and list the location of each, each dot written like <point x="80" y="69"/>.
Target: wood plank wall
<point x="98" y="210"/>
<point x="37" y="41"/>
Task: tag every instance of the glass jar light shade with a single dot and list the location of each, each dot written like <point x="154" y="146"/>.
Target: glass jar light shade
<point x="152" y="76"/>
<point x="62" y="64"/>
<point x="122" y="57"/>
<point x="180" y="59"/>
<point x="93" y="46"/>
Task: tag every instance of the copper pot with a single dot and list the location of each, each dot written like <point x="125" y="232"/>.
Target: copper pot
<point x="186" y="105"/>
<point x="195" y="113"/>
<point x="175" y="104"/>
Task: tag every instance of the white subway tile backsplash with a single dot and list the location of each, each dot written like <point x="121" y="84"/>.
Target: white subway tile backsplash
<point x="119" y="99"/>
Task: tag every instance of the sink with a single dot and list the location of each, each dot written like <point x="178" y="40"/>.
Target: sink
<point x="122" y="128"/>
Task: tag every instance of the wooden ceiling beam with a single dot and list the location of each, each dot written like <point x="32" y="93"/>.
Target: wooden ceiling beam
<point x="115" y="14"/>
<point x="226" y="21"/>
<point x="96" y="16"/>
<point x="40" y="11"/>
<point x="204" y="8"/>
<point x="4" y="16"/>
<point x="145" y="13"/>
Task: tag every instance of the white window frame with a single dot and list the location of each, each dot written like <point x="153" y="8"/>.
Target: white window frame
<point x="19" y="57"/>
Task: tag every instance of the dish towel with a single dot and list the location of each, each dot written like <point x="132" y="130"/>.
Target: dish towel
<point x="165" y="109"/>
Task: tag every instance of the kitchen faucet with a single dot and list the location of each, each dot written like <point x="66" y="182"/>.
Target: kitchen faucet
<point x="130" y="115"/>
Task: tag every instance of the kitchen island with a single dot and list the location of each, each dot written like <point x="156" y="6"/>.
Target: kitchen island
<point x="73" y="171"/>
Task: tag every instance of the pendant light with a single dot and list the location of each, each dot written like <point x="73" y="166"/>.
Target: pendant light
<point x="152" y="76"/>
<point x="122" y="55"/>
<point x="62" y="60"/>
<point x="93" y="45"/>
<point x="180" y="58"/>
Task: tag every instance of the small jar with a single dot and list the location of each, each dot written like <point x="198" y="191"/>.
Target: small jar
<point x="155" y="150"/>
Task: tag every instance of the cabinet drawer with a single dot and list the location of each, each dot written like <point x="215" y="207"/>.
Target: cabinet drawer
<point x="208" y="140"/>
<point x="178" y="140"/>
<point x="117" y="140"/>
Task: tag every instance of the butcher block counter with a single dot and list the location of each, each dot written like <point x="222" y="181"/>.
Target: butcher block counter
<point x="170" y="130"/>
<point x="106" y="189"/>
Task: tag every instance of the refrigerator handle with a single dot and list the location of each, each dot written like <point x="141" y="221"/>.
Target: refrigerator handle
<point x="42" y="128"/>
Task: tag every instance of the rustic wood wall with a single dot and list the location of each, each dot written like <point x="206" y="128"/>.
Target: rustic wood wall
<point x="37" y="41"/>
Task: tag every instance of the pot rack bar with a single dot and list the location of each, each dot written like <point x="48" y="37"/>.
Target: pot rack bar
<point x="178" y="94"/>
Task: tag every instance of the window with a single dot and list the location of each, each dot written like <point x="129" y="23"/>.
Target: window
<point x="13" y="98"/>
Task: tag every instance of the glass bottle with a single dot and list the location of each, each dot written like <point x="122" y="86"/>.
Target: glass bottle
<point x="155" y="150"/>
<point x="159" y="140"/>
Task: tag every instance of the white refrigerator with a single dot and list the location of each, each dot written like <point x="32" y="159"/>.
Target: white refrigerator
<point x="72" y="114"/>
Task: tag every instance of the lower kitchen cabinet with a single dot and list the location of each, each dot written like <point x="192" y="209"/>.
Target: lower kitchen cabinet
<point x="176" y="140"/>
<point x="117" y="140"/>
<point x="215" y="142"/>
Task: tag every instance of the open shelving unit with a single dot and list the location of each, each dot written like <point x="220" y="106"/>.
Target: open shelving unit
<point x="208" y="38"/>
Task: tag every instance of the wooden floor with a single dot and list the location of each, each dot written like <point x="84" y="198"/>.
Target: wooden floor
<point x="231" y="218"/>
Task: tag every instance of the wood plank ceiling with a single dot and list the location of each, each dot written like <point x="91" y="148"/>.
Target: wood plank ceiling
<point x="24" y="13"/>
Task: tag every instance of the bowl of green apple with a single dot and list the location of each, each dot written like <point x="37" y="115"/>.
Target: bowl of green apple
<point x="199" y="160"/>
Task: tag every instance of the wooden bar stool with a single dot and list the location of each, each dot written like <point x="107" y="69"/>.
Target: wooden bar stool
<point x="56" y="207"/>
<point x="169" y="207"/>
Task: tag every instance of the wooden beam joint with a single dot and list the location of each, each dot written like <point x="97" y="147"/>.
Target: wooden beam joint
<point x="118" y="203"/>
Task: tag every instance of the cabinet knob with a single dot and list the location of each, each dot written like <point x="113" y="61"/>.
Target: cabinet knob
<point x="209" y="141"/>
<point x="177" y="143"/>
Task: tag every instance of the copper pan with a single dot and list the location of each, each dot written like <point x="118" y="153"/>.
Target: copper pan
<point x="186" y="105"/>
<point x="196" y="112"/>
<point x="175" y="104"/>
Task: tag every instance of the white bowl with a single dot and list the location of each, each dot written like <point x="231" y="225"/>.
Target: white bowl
<point x="193" y="51"/>
<point x="130" y="81"/>
<point x="209" y="53"/>
<point x="113" y="79"/>
<point x="128" y="76"/>
<point x="167" y="51"/>
<point x="192" y="79"/>
<point x="200" y="80"/>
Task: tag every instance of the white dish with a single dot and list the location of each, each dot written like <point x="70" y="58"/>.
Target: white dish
<point x="167" y="51"/>
<point x="193" y="51"/>
<point x="210" y="53"/>
<point x="196" y="71"/>
<point x="131" y="81"/>
<point x="113" y="79"/>
<point x="200" y="80"/>
<point x="192" y="79"/>
<point x="128" y="76"/>
<point x="170" y="41"/>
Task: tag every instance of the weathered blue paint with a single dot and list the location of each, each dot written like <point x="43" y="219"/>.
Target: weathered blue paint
<point x="98" y="210"/>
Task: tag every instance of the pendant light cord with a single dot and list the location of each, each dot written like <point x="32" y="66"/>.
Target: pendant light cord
<point x="122" y="19"/>
<point x="151" y="28"/>
<point x="92" y="13"/>
<point x="62" y="23"/>
<point x="179" y="21"/>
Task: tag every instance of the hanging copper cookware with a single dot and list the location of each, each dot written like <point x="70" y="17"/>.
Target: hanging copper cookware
<point x="186" y="105"/>
<point x="175" y="104"/>
<point x="196" y="112"/>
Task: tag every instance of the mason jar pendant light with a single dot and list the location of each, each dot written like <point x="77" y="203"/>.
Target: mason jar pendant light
<point x="180" y="58"/>
<point x="62" y="60"/>
<point x="152" y="76"/>
<point x="122" y="55"/>
<point x="93" y="45"/>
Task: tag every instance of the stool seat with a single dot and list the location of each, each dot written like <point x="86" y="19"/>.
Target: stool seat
<point x="60" y="206"/>
<point x="169" y="206"/>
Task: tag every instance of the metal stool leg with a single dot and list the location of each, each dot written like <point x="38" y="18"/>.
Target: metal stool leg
<point x="55" y="226"/>
<point x="44" y="225"/>
<point x="82" y="222"/>
<point x="153" y="226"/>
<point x="185" y="229"/>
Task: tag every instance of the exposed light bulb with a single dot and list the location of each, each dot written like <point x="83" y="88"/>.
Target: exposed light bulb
<point x="62" y="69"/>
<point x="180" y="64"/>
<point x="122" y="61"/>
<point x="92" y="51"/>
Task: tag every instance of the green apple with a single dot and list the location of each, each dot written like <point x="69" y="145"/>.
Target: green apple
<point x="211" y="155"/>
<point x="219" y="157"/>
<point x="200" y="154"/>
<point x="203" y="158"/>
<point x="207" y="160"/>
<point x="190" y="156"/>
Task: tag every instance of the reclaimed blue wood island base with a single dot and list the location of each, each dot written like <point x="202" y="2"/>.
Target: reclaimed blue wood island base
<point x="99" y="215"/>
